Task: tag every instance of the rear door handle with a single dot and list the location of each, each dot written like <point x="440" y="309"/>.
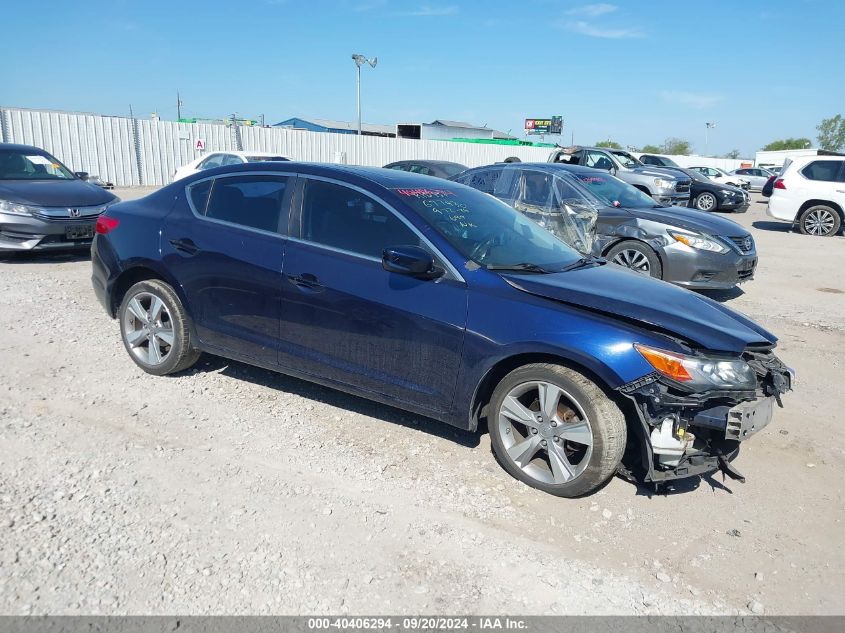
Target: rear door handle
<point x="186" y="246"/>
<point x="306" y="281"/>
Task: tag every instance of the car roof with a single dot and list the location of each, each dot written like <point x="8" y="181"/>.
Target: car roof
<point x="16" y="147"/>
<point x="388" y="178"/>
<point x="576" y="169"/>
<point x="425" y="162"/>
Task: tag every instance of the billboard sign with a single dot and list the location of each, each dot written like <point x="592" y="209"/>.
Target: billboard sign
<point x="553" y="125"/>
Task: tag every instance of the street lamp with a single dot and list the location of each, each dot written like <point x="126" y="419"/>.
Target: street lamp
<point x="360" y="60"/>
<point x="708" y="126"/>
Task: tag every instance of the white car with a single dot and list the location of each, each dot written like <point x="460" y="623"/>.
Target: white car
<point x="223" y="159"/>
<point x="723" y="177"/>
<point x="756" y="176"/>
<point x="810" y="193"/>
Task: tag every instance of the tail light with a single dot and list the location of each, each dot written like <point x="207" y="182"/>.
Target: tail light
<point x="105" y="224"/>
<point x="779" y="184"/>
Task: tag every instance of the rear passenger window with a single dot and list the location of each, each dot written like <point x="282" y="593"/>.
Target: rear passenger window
<point x="824" y="170"/>
<point x="344" y="218"/>
<point x="252" y="201"/>
<point x="198" y="194"/>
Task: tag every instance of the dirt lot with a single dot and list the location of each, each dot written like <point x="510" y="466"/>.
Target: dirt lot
<point x="236" y="490"/>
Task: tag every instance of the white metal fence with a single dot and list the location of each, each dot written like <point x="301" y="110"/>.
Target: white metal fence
<point x="131" y="152"/>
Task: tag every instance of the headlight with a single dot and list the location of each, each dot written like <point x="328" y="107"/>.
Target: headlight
<point x="700" y="242"/>
<point x="700" y="372"/>
<point x="13" y="208"/>
<point x="728" y="193"/>
<point x="660" y="183"/>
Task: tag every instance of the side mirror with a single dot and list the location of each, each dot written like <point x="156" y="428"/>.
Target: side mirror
<point x="410" y="260"/>
<point x="82" y="175"/>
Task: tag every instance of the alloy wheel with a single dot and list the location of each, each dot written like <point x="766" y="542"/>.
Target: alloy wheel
<point x="819" y="222"/>
<point x="705" y="202"/>
<point x="545" y="432"/>
<point x="633" y="259"/>
<point x="148" y="328"/>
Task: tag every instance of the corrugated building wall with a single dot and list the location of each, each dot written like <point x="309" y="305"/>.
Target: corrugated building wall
<point x="130" y="152"/>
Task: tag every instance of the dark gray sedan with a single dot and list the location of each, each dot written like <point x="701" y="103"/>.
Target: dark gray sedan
<point x="43" y="205"/>
<point x="686" y="247"/>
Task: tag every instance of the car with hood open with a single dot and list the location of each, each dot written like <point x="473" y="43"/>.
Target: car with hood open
<point x="665" y="186"/>
<point x="439" y="299"/>
<point x="43" y="205"/>
<point x="621" y="223"/>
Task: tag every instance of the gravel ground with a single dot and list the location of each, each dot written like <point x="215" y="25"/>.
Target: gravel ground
<point x="235" y="490"/>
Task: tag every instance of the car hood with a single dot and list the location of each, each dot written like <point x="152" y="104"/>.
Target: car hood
<point x="651" y="303"/>
<point x="54" y="193"/>
<point x="691" y="220"/>
<point x="658" y="172"/>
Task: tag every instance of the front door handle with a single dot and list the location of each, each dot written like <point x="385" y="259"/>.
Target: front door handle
<point x="186" y="246"/>
<point x="306" y="281"/>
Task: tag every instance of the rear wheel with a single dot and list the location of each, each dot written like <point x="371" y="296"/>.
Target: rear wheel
<point x="636" y="256"/>
<point x="819" y="220"/>
<point x="155" y="329"/>
<point x="554" y="429"/>
<point x="706" y="201"/>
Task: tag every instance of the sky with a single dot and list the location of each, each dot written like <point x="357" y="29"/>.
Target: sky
<point x="631" y="71"/>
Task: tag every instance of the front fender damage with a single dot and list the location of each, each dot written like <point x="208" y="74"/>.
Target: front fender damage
<point x="686" y="434"/>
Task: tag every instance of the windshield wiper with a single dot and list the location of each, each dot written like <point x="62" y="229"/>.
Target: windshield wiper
<point x="589" y="260"/>
<point x="522" y="267"/>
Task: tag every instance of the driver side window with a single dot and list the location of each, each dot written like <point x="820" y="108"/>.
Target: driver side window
<point x="599" y="160"/>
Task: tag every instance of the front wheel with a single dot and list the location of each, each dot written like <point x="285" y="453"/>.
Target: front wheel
<point x="554" y="429"/>
<point x="638" y="257"/>
<point x="706" y="201"/>
<point x="155" y="329"/>
<point x="819" y="220"/>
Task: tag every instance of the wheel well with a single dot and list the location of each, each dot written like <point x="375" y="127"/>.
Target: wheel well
<point x="632" y="239"/>
<point x="126" y="280"/>
<point x="501" y="369"/>
<point x="827" y="203"/>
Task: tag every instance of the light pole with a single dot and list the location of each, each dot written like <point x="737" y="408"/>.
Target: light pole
<point x="360" y="60"/>
<point x="708" y="126"/>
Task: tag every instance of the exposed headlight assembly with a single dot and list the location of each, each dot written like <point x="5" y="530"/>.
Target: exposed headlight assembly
<point x="700" y="372"/>
<point x="14" y="208"/>
<point x="660" y="183"/>
<point x="700" y="242"/>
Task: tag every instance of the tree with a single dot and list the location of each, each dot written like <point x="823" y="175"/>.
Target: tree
<point x="787" y="143"/>
<point x="609" y="143"/>
<point x="734" y="154"/>
<point x="832" y="133"/>
<point x="677" y="146"/>
<point x="651" y="149"/>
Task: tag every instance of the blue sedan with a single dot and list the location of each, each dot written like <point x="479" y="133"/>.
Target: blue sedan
<point x="438" y="299"/>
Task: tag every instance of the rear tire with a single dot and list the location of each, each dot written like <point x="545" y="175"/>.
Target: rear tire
<point x="637" y="256"/>
<point x="155" y="329"/>
<point x="568" y="445"/>
<point x="819" y="220"/>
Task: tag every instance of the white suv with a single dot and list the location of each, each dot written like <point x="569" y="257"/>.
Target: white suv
<point x="810" y="192"/>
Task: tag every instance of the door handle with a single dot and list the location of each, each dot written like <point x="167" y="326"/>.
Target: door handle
<point x="186" y="246"/>
<point x="306" y="281"/>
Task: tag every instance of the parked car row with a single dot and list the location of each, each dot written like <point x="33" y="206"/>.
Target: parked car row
<point x="442" y="299"/>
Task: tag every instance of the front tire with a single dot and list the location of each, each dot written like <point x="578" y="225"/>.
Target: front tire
<point x="556" y="430"/>
<point x="156" y="329"/>
<point x="706" y="201"/>
<point x="637" y="256"/>
<point x="819" y="220"/>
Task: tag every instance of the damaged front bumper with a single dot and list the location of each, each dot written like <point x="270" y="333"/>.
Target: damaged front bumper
<point x="685" y="434"/>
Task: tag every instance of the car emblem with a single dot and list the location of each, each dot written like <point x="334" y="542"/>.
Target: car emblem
<point x="75" y="213"/>
<point x="748" y="244"/>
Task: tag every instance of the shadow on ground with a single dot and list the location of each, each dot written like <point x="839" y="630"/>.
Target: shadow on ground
<point x="335" y="398"/>
<point x="723" y="295"/>
<point x="45" y="257"/>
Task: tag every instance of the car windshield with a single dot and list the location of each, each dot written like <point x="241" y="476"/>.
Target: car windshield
<point x="668" y="162"/>
<point x="615" y="192"/>
<point x="452" y="169"/>
<point x="30" y="165"/>
<point x="626" y="159"/>
<point x="696" y="175"/>
<point x="261" y="159"/>
<point x="488" y="232"/>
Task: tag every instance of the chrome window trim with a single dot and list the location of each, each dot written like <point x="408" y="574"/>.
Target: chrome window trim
<point x="435" y="251"/>
<point x="205" y="218"/>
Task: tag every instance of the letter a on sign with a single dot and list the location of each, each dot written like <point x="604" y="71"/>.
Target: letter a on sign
<point x="199" y="144"/>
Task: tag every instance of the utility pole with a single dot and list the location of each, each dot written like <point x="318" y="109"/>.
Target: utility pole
<point x="178" y="107"/>
<point x="707" y="126"/>
<point x="360" y="60"/>
<point x="262" y="120"/>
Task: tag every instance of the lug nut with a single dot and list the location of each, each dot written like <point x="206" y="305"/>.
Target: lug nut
<point x="543" y="443"/>
<point x="557" y="440"/>
<point x="554" y="423"/>
<point x="534" y="431"/>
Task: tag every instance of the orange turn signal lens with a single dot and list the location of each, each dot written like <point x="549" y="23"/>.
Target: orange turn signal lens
<point x="669" y="364"/>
